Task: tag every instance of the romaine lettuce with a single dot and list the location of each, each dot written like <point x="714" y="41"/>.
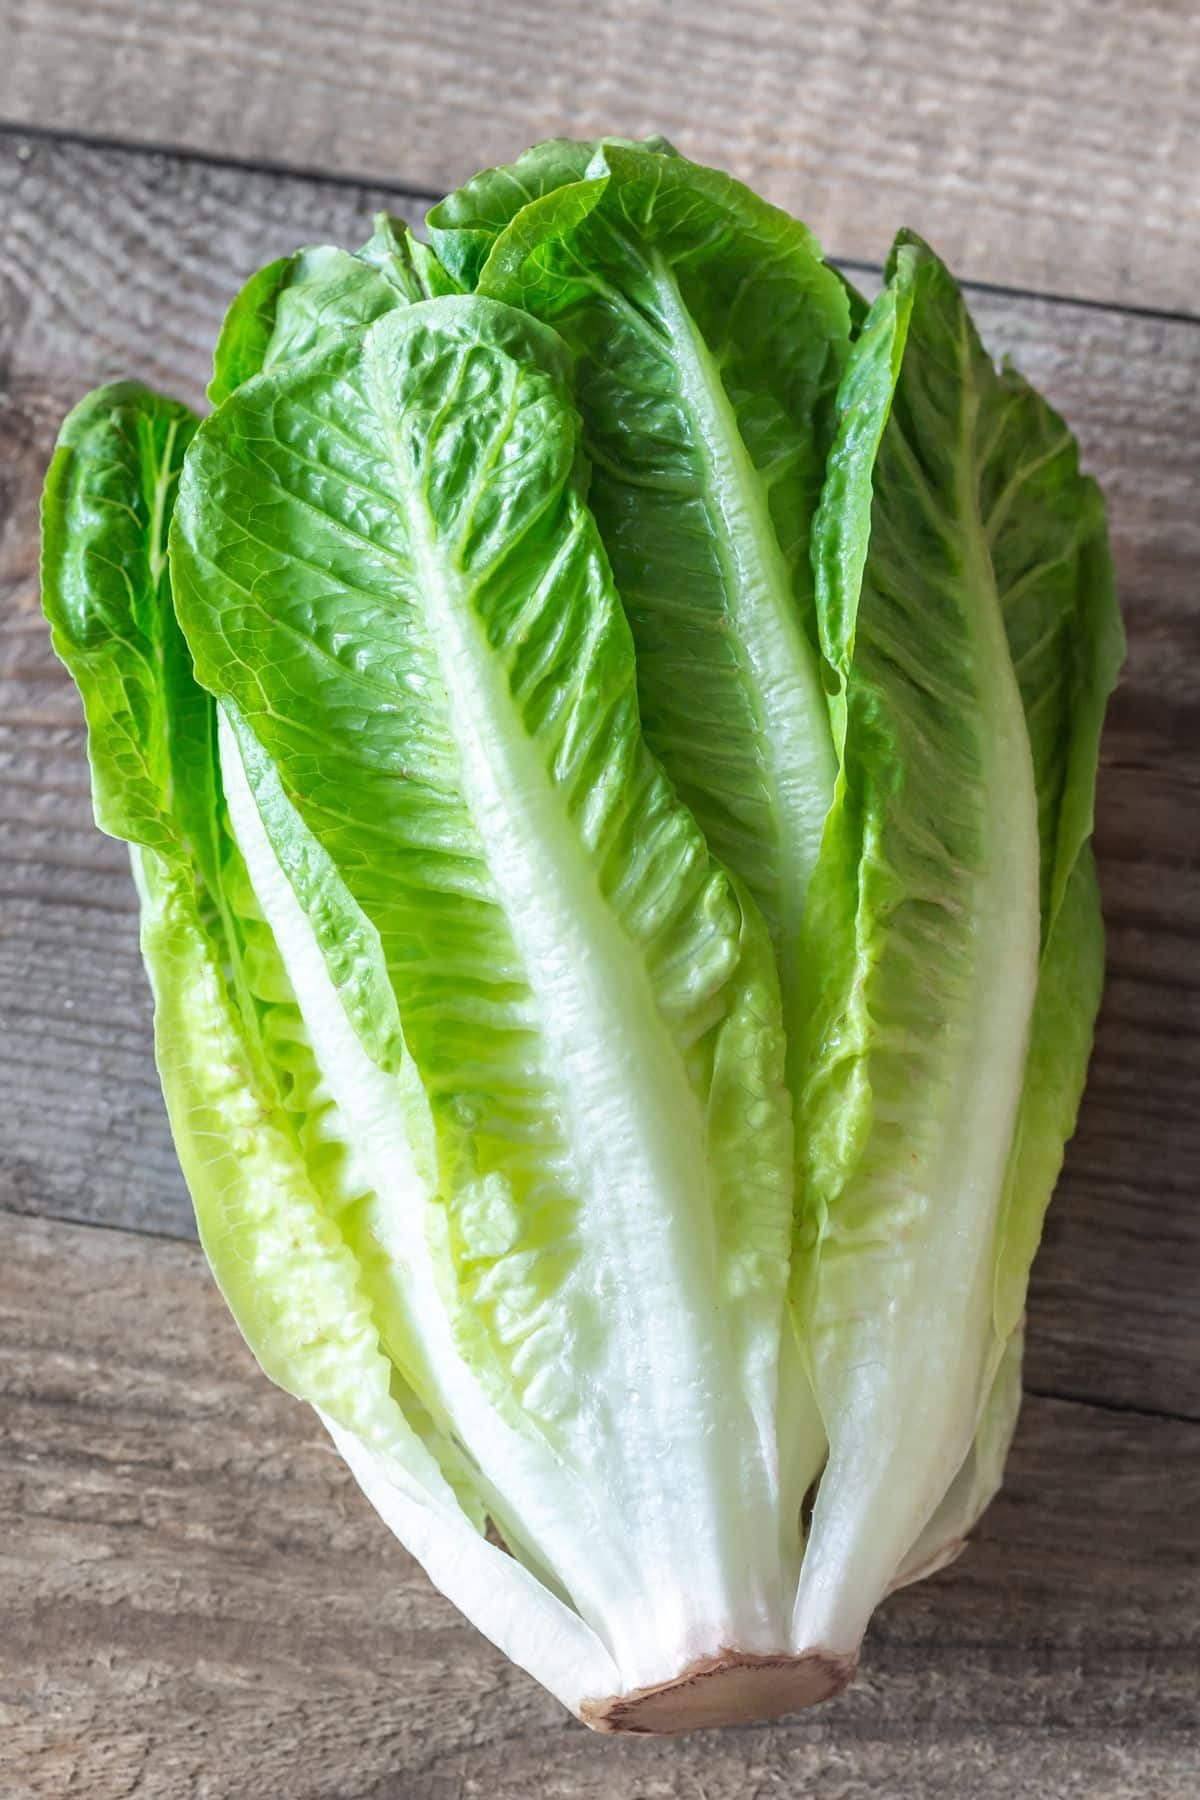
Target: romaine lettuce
<point x="606" y="727"/>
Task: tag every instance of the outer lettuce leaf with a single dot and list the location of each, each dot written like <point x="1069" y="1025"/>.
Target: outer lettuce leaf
<point x="263" y="1148"/>
<point x="109" y="493"/>
<point x="709" y="340"/>
<point x="926" y="905"/>
<point x="387" y="574"/>
<point x="1050" y="547"/>
<point x="1049" y="543"/>
<point x="978" y="1480"/>
<point x="296" y="303"/>
<point x="230" y="1048"/>
<point x="1068" y="998"/>
<point x="152" y="742"/>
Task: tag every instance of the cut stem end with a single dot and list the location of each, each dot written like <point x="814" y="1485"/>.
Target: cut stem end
<point x="732" y="1688"/>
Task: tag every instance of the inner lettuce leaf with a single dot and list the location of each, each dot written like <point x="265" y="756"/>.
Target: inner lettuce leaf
<point x="464" y="226"/>
<point x="966" y="607"/>
<point x="709" y="339"/>
<point x="274" y="1170"/>
<point x="575" y="1126"/>
<point x="295" y="303"/>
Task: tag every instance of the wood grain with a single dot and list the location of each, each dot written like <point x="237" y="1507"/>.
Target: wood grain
<point x="199" y="1603"/>
<point x="1054" y="146"/>
<point x="120" y="263"/>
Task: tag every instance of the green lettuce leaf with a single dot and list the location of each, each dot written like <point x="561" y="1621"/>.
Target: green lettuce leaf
<point x="274" y="1175"/>
<point x="108" y="501"/>
<point x="465" y="225"/>
<point x="960" y="571"/>
<point x="295" y="303"/>
<point x="709" y="340"/>
<point x="108" y="498"/>
<point x="508" y="938"/>
<point x="229" y="1041"/>
<point x="1050" y="547"/>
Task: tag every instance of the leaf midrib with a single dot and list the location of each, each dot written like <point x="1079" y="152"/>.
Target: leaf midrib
<point x="645" y="1212"/>
<point x="779" y="668"/>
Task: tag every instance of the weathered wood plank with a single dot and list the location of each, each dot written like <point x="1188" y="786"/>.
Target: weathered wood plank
<point x="1053" y="147"/>
<point x="121" y="263"/>
<point x="198" y="1602"/>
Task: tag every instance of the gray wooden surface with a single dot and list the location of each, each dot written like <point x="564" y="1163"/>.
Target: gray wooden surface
<point x="199" y="1602"/>
<point x="1052" y="144"/>
<point x="196" y="1601"/>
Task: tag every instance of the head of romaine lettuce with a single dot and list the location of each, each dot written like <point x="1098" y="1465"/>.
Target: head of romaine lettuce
<point x="608" y="762"/>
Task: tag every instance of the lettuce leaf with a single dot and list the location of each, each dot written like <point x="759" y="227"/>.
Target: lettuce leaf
<point x="965" y="607"/>
<point x="465" y="225"/>
<point x="979" y="1476"/>
<point x="293" y="304"/>
<point x="709" y="339"/>
<point x="272" y="1168"/>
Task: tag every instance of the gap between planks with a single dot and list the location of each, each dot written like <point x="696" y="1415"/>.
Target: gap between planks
<point x="1090" y="1401"/>
<point x="12" y="130"/>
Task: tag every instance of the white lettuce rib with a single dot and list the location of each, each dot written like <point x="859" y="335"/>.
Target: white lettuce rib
<point x="500" y="1597"/>
<point x="907" y="1412"/>
<point x="654" y="1500"/>
<point x="663" y="1372"/>
<point x="550" y="1503"/>
<point x="795" y="741"/>
<point x="978" y="1480"/>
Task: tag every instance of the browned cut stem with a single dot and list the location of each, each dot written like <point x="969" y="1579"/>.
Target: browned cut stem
<point x="731" y="1688"/>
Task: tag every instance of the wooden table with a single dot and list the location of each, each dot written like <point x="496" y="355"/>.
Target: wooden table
<point x="196" y="1601"/>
